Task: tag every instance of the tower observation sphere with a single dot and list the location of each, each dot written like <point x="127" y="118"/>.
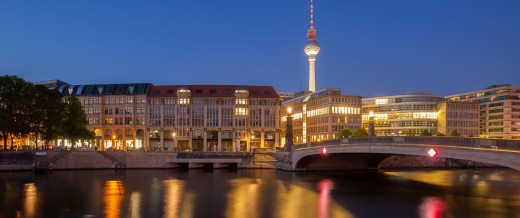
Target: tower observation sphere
<point x="312" y="47"/>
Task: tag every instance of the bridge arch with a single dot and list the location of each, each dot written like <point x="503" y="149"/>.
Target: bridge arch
<point x="374" y="149"/>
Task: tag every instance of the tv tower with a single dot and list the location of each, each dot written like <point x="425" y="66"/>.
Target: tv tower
<point x="312" y="48"/>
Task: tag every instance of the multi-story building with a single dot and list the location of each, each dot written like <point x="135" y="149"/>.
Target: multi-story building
<point x="321" y="115"/>
<point x="499" y="110"/>
<point x="191" y="117"/>
<point x="400" y="114"/>
<point x="214" y="117"/>
<point x="116" y="113"/>
<point x="462" y="117"/>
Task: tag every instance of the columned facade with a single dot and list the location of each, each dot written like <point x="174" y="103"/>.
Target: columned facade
<point x="214" y="118"/>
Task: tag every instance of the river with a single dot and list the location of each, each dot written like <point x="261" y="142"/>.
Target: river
<point x="261" y="193"/>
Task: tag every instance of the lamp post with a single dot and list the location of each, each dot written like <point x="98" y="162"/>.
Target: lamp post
<point x="289" y="131"/>
<point x="174" y="146"/>
<point x="371" y="128"/>
<point x="114" y="143"/>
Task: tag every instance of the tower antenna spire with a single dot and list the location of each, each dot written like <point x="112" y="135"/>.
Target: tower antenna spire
<point x="312" y="15"/>
<point x="312" y="48"/>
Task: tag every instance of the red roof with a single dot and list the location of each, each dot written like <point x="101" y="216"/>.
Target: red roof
<point x="213" y="91"/>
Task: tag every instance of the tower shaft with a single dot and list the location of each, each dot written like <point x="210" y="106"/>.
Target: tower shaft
<point x="312" y="73"/>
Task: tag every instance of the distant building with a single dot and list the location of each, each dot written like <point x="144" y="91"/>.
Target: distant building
<point x="401" y="114"/>
<point x="499" y="110"/>
<point x="462" y="117"/>
<point x="321" y="115"/>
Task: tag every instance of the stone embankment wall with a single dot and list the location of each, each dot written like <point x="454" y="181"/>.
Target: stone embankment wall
<point x="12" y="160"/>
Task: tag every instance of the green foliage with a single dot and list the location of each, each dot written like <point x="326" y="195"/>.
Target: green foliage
<point x="440" y="134"/>
<point x="75" y="121"/>
<point x="359" y="132"/>
<point x="425" y="133"/>
<point x="345" y="133"/>
<point x="454" y="132"/>
<point x="409" y="133"/>
<point x="46" y="118"/>
<point x="14" y="108"/>
<point x="35" y="111"/>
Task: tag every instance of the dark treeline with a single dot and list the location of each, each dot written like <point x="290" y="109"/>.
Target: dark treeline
<point x="39" y="114"/>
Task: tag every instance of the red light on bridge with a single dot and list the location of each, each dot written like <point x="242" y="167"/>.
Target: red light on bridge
<point x="324" y="151"/>
<point x="432" y="152"/>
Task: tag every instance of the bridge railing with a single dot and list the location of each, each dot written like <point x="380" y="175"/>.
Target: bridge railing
<point x="428" y="140"/>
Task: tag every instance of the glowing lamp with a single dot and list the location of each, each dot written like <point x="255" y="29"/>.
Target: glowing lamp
<point x="432" y="152"/>
<point x="289" y="110"/>
<point x="324" y="151"/>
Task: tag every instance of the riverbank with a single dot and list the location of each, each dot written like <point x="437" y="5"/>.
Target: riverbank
<point x="75" y="160"/>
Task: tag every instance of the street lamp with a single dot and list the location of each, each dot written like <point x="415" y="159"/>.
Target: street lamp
<point x="289" y="131"/>
<point x="114" y="143"/>
<point x="173" y="140"/>
<point x="371" y="128"/>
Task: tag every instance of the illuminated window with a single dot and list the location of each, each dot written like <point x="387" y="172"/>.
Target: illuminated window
<point x="240" y="101"/>
<point x="240" y="111"/>
<point x="184" y="101"/>
<point x="382" y="101"/>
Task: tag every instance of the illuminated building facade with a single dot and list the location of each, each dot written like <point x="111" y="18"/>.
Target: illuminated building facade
<point x="321" y="115"/>
<point x="192" y="117"/>
<point x="397" y="115"/>
<point x="214" y="117"/>
<point x="499" y="110"/>
<point x="116" y="112"/>
<point x="462" y="117"/>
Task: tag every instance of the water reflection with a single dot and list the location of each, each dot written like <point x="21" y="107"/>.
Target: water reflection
<point x="432" y="207"/>
<point x="31" y="197"/>
<point x="296" y="200"/>
<point x="113" y="195"/>
<point x="158" y="193"/>
<point x="243" y="198"/>
<point x="135" y="205"/>
<point x="324" y="187"/>
<point x="176" y="203"/>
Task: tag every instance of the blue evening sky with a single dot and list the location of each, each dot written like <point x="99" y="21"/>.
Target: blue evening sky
<point x="368" y="48"/>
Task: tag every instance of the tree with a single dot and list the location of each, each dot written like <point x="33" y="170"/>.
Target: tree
<point x="14" y="108"/>
<point x="454" y="132"/>
<point x="359" y="132"/>
<point x="409" y="132"/>
<point x="46" y="115"/>
<point x="440" y="134"/>
<point x="345" y="133"/>
<point x="75" y="121"/>
<point x="425" y="133"/>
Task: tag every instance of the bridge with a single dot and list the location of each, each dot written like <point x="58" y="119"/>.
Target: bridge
<point x="368" y="152"/>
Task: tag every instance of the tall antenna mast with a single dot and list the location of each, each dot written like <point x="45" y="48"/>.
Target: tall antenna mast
<point x="312" y="48"/>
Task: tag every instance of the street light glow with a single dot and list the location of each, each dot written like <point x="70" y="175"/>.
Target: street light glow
<point x="289" y="110"/>
<point x="432" y="152"/>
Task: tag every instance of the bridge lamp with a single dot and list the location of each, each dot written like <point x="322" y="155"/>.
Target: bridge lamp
<point x="324" y="150"/>
<point x="432" y="152"/>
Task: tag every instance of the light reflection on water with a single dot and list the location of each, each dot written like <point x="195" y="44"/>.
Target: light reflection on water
<point x="261" y="193"/>
<point x="432" y="207"/>
<point x="31" y="197"/>
<point x="114" y="191"/>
